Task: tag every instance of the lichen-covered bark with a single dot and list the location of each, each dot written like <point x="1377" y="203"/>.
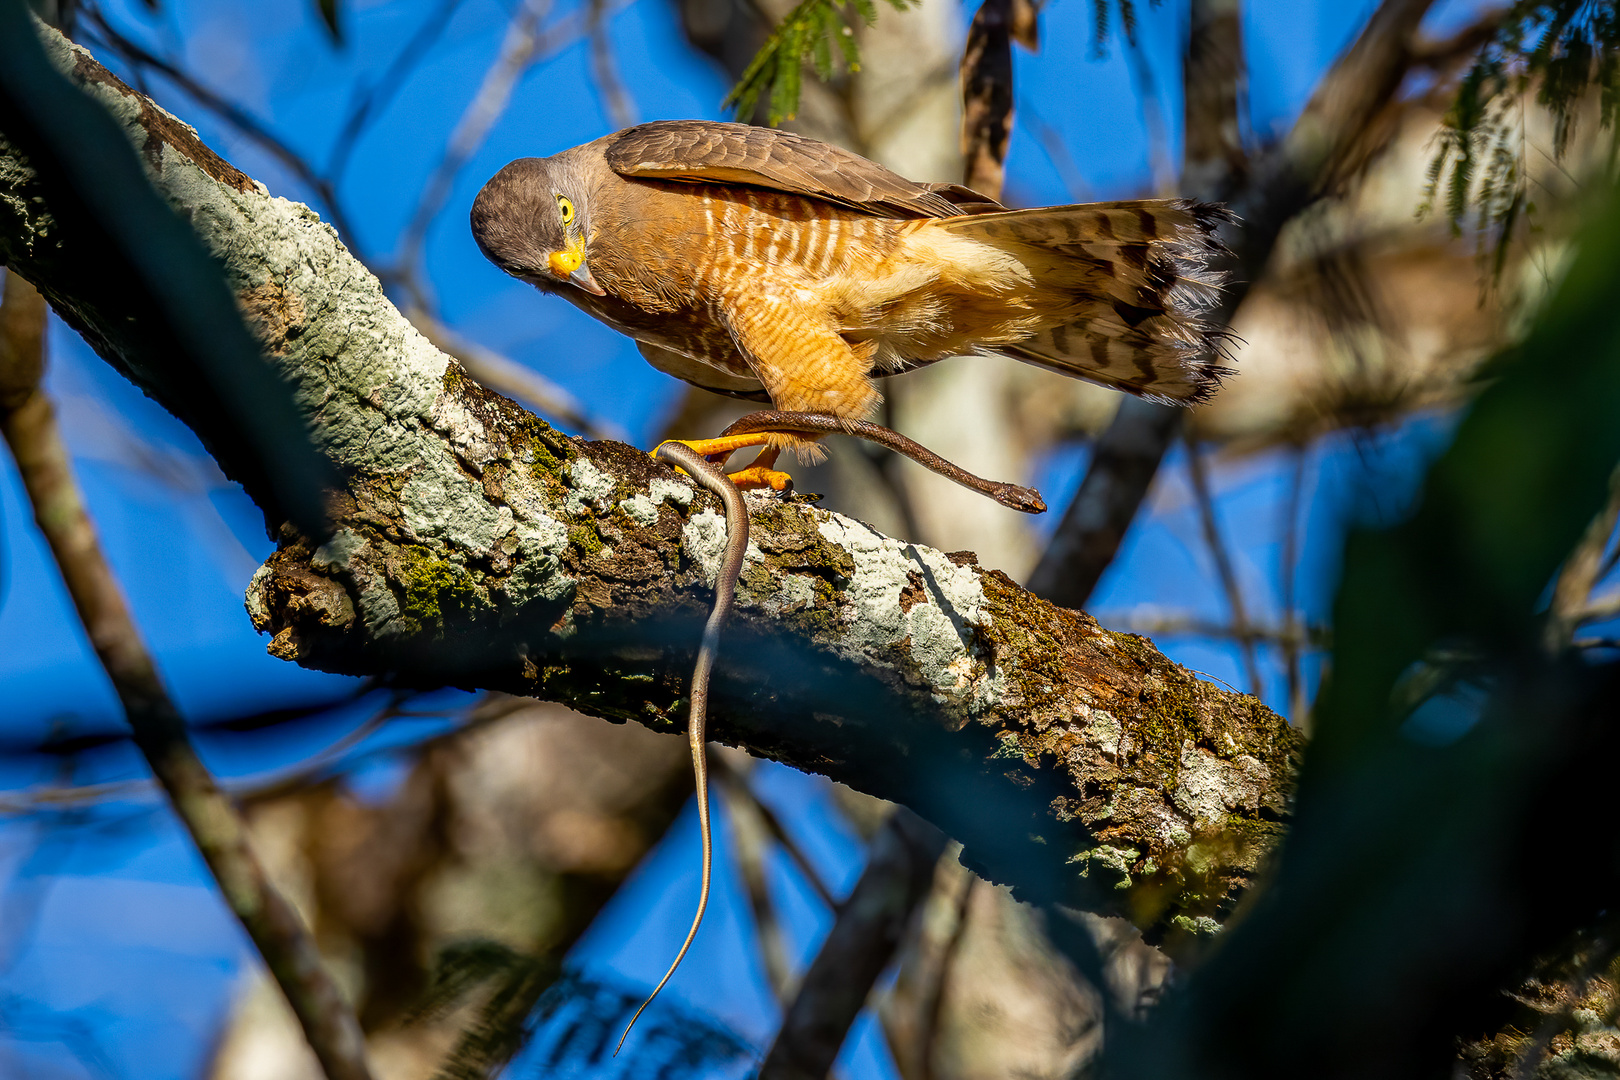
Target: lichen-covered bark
<point x="474" y="545"/>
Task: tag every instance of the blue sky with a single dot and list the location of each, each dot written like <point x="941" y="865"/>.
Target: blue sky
<point x="127" y="950"/>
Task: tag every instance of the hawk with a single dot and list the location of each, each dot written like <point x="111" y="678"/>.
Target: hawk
<point x="761" y="264"/>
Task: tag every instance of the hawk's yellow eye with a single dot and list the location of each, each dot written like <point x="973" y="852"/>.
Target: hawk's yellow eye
<point x="566" y="208"/>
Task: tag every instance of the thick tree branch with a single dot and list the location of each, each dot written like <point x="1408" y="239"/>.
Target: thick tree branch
<point x="474" y="545"/>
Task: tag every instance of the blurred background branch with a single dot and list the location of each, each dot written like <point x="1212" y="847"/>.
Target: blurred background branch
<point x="871" y="922"/>
<point x="29" y="425"/>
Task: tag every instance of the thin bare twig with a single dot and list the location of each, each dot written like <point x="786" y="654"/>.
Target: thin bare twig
<point x="369" y="103"/>
<point x="1170" y="624"/>
<point x="616" y="100"/>
<point x="1583" y="569"/>
<point x="1224" y="570"/>
<point x="1602" y="609"/>
<point x="1288" y="574"/>
<point x="1124" y="460"/>
<point x="249" y="789"/>
<point x="1609" y="564"/>
<point x="750" y="848"/>
<point x="522" y="47"/>
<point x="1056" y="149"/>
<point x="79" y="795"/>
<point x="233" y="114"/>
<point x="729" y="773"/>
<point x="1464" y="45"/>
<point x="29" y="425"/>
<point x="1152" y="110"/>
<point x="517" y="381"/>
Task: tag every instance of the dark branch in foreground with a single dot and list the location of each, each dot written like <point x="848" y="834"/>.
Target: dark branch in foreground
<point x="475" y="546"/>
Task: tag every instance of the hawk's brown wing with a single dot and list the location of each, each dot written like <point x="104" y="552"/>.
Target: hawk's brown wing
<point x="704" y="151"/>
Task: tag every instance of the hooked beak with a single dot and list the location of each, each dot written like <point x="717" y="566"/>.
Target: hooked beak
<point x="582" y="278"/>
<point x="569" y="265"/>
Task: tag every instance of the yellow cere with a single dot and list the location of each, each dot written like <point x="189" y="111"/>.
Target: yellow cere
<point x="564" y="263"/>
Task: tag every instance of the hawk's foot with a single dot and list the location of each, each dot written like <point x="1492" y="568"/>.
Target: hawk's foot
<point x="717" y="450"/>
<point x="759" y="475"/>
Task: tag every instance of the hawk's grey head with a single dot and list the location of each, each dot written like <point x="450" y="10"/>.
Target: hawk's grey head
<point x="531" y="220"/>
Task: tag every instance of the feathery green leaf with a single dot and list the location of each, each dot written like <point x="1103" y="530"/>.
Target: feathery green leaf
<point x="1563" y="50"/>
<point x="804" y="37"/>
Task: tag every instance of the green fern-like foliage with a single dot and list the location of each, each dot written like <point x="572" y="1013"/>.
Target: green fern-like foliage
<point x="1562" y="48"/>
<point x="565" y="1022"/>
<point x="810" y="32"/>
<point x="807" y="36"/>
<point x="577" y="1024"/>
<point x="1102" y="19"/>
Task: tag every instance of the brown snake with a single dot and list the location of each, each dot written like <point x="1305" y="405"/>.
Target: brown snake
<point x="725" y="589"/>
<point x="1025" y="499"/>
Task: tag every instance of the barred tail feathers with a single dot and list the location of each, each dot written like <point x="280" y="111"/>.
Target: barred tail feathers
<point x="1121" y="290"/>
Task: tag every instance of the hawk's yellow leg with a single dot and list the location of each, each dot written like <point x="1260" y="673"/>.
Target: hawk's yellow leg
<point x="759" y="474"/>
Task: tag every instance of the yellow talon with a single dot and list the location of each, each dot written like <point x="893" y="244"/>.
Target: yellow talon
<point x="758" y="474"/>
<point x="727" y="445"/>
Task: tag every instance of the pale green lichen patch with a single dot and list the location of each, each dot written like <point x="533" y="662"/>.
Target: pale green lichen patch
<point x="1104" y="729"/>
<point x="640" y="509"/>
<point x="591" y="487"/>
<point x="1109" y="866"/>
<point x="1209" y="788"/>
<point x="1200" y="858"/>
<point x="537" y="573"/>
<point x="703" y="541"/>
<point x="1201" y="927"/>
<point x="336" y="552"/>
<point x="442" y="505"/>
<point x="258" y="611"/>
<point x="643" y="509"/>
<point x="672" y="491"/>
<point x="906" y="593"/>
<point x="379" y="607"/>
<point x="796" y="592"/>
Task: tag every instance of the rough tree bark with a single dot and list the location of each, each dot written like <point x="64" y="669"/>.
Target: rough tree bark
<point x="474" y="545"/>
